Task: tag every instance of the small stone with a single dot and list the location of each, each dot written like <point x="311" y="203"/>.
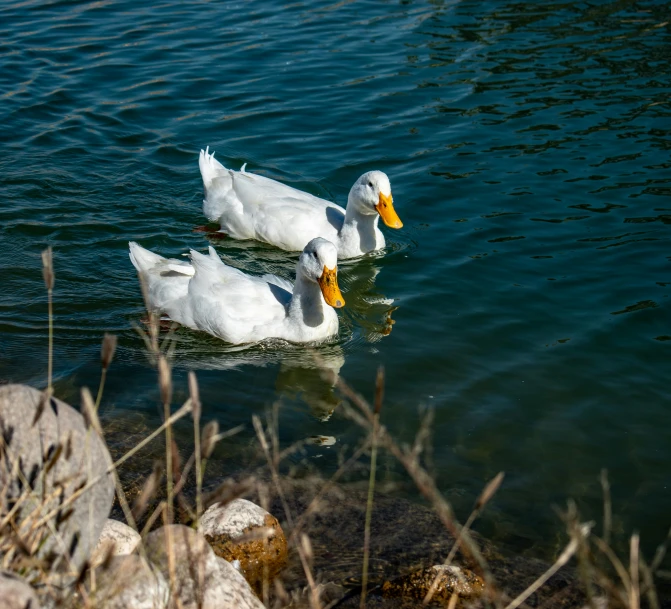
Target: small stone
<point x="454" y="580"/>
<point x="118" y="537"/>
<point x="200" y="579"/>
<point x="242" y="531"/>
<point x="322" y="440"/>
<point x="130" y="582"/>
<point x="15" y="593"/>
<point x="57" y="454"/>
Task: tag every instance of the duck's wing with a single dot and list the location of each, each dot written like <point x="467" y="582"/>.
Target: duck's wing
<point x="285" y="284"/>
<point x="250" y="206"/>
<point x="231" y="304"/>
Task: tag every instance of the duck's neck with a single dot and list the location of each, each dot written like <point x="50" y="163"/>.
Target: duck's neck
<point x="307" y="304"/>
<point x="359" y="230"/>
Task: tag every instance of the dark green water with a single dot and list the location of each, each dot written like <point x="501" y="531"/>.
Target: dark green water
<point x="527" y="145"/>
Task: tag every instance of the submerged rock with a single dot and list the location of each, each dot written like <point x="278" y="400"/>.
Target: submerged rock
<point x="453" y="580"/>
<point x="56" y="454"/>
<point x="118" y="536"/>
<point x="15" y="593"/>
<point x="130" y="582"/>
<point x="242" y="531"/>
<point x="200" y="578"/>
<point x="405" y="537"/>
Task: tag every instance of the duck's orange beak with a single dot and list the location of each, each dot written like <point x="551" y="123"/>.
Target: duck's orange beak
<point x="328" y="283"/>
<point x="385" y="207"/>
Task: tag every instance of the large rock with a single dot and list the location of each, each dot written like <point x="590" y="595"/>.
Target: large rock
<point x="116" y="538"/>
<point x="15" y="593"/>
<point x="130" y="582"/>
<point x="199" y="578"/>
<point x="73" y="454"/>
<point x="243" y="531"/>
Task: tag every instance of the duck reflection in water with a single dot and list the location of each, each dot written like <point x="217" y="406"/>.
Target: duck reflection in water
<point x="369" y="310"/>
<point x="305" y="374"/>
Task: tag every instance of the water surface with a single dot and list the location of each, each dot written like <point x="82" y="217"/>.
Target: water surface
<point x="527" y="145"/>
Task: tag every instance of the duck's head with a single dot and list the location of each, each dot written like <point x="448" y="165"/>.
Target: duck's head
<point x="371" y="194"/>
<point x="319" y="263"/>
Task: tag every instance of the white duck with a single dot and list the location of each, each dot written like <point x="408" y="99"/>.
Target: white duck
<point x="250" y="206"/>
<point x="211" y="296"/>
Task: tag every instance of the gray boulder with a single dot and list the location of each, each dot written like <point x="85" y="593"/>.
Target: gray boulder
<point x="15" y="593"/>
<point x="55" y="457"/>
<point x="200" y="579"/>
<point x="130" y="582"/>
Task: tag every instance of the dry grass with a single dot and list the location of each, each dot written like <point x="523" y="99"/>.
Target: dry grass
<point x="27" y="520"/>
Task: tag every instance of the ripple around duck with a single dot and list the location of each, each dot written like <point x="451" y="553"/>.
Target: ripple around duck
<point x="527" y="148"/>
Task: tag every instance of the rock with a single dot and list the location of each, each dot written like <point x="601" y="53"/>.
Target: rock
<point x="322" y="440"/>
<point x="329" y="594"/>
<point x="130" y="582"/>
<point x="243" y="531"/>
<point x="200" y="578"/>
<point x="15" y="593"/>
<point x="56" y="456"/>
<point x="122" y="538"/>
<point x="453" y="580"/>
<point x="231" y="585"/>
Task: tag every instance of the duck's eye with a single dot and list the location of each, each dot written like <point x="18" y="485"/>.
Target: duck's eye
<point x="314" y="254"/>
<point x="370" y="185"/>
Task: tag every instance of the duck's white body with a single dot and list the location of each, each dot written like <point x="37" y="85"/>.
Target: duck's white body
<point x="250" y="206"/>
<point x="211" y="296"/>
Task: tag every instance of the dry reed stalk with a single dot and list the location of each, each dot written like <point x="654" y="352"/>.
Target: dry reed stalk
<point x="423" y="481"/>
<point x="607" y="506"/>
<point x="650" y="591"/>
<point x="208" y="441"/>
<point x="634" y="595"/>
<point x="45" y="396"/>
<point x="170" y="550"/>
<point x="184" y="410"/>
<point x="22" y="497"/>
<point x="379" y="394"/>
<point x="165" y="385"/>
<point x="93" y="425"/>
<point x="617" y="564"/>
<point x="183" y="476"/>
<point x="35" y="528"/>
<point x="485" y="496"/>
<point x="196" y="414"/>
<point x="149" y="490"/>
<point x="90" y="411"/>
<point x="301" y="546"/>
<point x="563" y="559"/>
<point x="265" y="583"/>
<point x="106" y="356"/>
<point x="307" y="556"/>
<point x="660" y="553"/>
<point x="49" y="278"/>
<point x="160" y="509"/>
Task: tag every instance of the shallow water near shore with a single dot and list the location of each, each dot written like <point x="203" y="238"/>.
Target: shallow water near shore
<point x="528" y="150"/>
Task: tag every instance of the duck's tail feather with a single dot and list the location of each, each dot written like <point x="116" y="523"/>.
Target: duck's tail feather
<point x="210" y="168"/>
<point x="143" y="259"/>
<point x="207" y="262"/>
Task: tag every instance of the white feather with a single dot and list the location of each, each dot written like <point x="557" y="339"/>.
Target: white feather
<point x="211" y="296"/>
<point x="250" y="206"/>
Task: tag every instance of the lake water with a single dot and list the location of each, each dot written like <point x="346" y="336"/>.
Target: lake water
<point x="528" y="148"/>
